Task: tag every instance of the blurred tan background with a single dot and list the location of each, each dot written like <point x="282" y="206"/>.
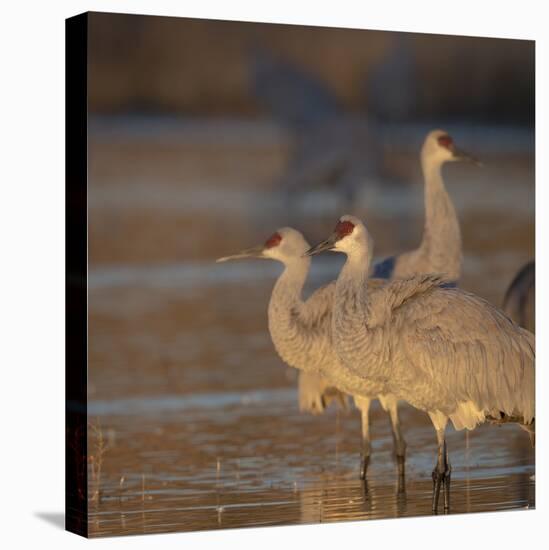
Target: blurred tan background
<point x="204" y="67"/>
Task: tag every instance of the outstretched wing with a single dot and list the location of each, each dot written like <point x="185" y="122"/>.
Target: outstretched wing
<point x="289" y="92"/>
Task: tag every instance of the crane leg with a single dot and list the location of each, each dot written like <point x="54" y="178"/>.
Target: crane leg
<point x="442" y="470"/>
<point x="390" y="405"/>
<point x="363" y="405"/>
<point x="398" y="439"/>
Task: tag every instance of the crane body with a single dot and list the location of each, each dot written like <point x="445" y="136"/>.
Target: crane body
<point x="443" y="350"/>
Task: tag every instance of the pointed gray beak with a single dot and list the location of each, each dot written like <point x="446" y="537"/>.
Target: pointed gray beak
<point x="328" y="244"/>
<point x="254" y="252"/>
<point x="461" y="155"/>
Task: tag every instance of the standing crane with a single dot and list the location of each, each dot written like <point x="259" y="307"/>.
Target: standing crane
<point x="443" y="350"/>
<point x="440" y="250"/>
<point x="520" y="299"/>
<point x="301" y="331"/>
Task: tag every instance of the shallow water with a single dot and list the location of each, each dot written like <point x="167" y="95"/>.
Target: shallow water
<point x="250" y="458"/>
<point x="194" y="418"/>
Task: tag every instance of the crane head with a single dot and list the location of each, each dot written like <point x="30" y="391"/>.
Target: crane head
<point x="439" y="147"/>
<point x="350" y="234"/>
<point x="285" y="244"/>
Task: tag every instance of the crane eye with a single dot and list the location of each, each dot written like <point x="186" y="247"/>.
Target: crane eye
<point x="273" y="240"/>
<point x="344" y="228"/>
<point x="445" y="141"/>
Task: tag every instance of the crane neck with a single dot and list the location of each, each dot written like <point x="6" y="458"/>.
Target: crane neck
<point x="351" y="313"/>
<point x="291" y="338"/>
<point x="441" y="242"/>
<point x="352" y="284"/>
<point x="288" y="289"/>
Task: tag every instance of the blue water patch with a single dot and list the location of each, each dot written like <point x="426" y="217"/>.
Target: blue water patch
<point x="205" y="401"/>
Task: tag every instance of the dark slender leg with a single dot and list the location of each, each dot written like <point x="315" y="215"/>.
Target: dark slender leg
<point x="401" y="502"/>
<point x="364" y="406"/>
<point x="398" y="440"/>
<point x="401" y="466"/>
<point x="441" y="472"/>
<point x="366" y="497"/>
<point x="364" y="462"/>
<point x="447" y="484"/>
<point x="401" y="483"/>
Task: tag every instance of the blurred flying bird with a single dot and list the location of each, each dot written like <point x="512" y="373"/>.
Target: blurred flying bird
<point x="392" y="83"/>
<point x="294" y="97"/>
<point x="331" y="147"/>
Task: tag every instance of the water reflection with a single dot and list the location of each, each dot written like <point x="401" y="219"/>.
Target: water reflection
<point x="264" y="463"/>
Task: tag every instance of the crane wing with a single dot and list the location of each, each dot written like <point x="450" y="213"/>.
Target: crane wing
<point x="320" y="303"/>
<point x="385" y="299"/>
<point x="472" y="352"/>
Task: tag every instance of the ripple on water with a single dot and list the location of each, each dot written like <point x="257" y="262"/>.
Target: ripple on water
<point x="210" y="462"/>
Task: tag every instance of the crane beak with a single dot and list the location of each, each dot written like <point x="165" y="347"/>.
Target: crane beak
<point x="328" y="244"/>
<point x="254" y="252"/>
<point x="461" y="155"/>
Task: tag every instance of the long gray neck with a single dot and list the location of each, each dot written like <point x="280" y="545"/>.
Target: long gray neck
<point x="360" y="349"/>
<point x="287" y="292"/>
<point x="441" y="243"/>
<point x="351" y="305"/>
<point x="285" y="312"/>
<point x="351" y="299"/>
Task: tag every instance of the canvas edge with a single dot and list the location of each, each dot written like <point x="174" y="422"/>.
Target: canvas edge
<point x="76" y="76"/>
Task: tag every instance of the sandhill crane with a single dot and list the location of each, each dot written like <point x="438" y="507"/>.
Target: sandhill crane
<point x="443" y="350"/>
<point x="440" y="248"/>
<point x="301" y="332"/>
<point x="520" y="299"/>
